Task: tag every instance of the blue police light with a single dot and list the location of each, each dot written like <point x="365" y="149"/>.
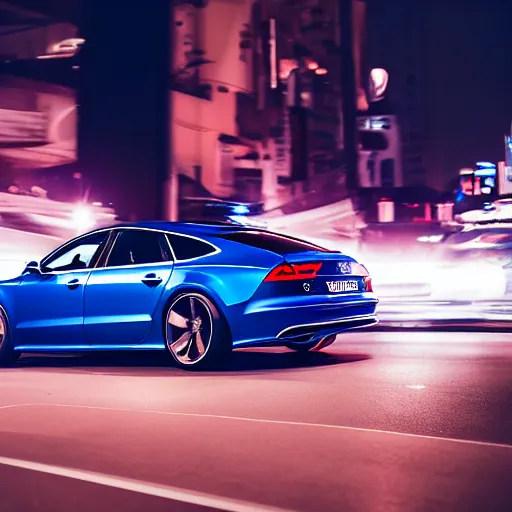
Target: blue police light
<point x="240" y="209"/>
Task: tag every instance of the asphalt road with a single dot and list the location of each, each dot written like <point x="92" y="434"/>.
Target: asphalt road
<point x="384" y="422"/>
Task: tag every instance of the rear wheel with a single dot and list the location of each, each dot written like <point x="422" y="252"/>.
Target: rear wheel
<point x="196" y="334"/>
<point x="313" y="346"/>
<point x="7" y="353"/>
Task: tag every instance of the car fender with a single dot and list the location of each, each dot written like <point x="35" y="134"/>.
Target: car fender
<point x="231" y="285"/>
<point x="7" y="289"/>
<point x="171" y="293"/>
<point x="7" y="303"/>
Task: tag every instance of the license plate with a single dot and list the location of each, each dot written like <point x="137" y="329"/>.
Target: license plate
<point x="342" y="286"/>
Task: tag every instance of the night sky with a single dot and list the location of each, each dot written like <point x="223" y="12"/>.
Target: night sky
<point x="463" y="51"/>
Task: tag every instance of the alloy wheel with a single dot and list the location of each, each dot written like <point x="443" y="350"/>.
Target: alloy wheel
<point x="189" y="329"/>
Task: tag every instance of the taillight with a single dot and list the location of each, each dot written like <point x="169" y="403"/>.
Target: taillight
<point x="368" y="284"/>
<point x="294" y="271"/>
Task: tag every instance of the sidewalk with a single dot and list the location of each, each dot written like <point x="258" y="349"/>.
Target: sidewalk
<point x="469" y="326"/>
<point x="497" y="314"/>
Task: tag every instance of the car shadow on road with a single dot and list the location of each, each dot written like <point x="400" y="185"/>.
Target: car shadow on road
<point x="241" y="361"/>
<point x="261" y="360"/>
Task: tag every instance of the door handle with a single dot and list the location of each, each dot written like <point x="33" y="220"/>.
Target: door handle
<point x="151" y="280"/>
<point x="73" y="284"/>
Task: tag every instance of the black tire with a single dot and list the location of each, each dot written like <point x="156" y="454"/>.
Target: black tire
<point x="7" y="353"/>
<point x="195" y="332"/>
<point x="312" y="346"/>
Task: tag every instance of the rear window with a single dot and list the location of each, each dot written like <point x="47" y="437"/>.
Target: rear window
<point x="188" y="248"/>
<point x="273" y="242"/>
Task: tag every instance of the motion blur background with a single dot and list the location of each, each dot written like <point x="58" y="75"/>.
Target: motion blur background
<point x="379" y="128"/>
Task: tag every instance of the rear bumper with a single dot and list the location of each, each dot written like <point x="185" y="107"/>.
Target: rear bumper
<point x="303" y="332"/>
<point x="267" y="322"/>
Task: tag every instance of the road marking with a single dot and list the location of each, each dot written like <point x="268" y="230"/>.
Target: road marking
<point x="270" y="422"/>
<point x="141" y="487"/>
<point x="12" y="406"/>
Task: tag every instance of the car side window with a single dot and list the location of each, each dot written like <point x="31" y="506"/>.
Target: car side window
<point x="137" y="247"/>
<point x="187" y="248"/>
<point x="77" y="255"/>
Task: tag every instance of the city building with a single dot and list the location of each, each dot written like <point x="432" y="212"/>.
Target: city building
<point x="255" y="101"/>
<point x="404" y="57"/>
<point x="267" y="116"/>
<point x="37" y="118"/>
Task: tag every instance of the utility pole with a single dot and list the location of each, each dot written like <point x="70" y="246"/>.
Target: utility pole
<point x="298" y="127"/>
<point x="124" y="111"/>
<point x="348" y="84"/>
<point x="170" y="188"/>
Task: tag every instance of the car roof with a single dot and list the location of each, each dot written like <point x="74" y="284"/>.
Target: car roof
<point x="206" y="228"/>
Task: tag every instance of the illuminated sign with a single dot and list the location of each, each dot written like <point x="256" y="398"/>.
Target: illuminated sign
<point x="67" y="46"/>
<point x="508" y="150"/>
<point x="504" y="179"/>
<point x="273" y="54"/>
<point x="374" y="123"/>
<point x="485" y="169"/>
<point x="379" y="79"/>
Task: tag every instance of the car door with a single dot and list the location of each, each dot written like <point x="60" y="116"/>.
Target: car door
<point x="49" y="304"/>
<point x="121" y="297"/>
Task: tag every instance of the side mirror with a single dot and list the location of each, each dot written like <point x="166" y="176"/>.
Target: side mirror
<point x="32" y="268"/>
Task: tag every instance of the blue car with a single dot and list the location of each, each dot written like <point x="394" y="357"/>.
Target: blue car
<point x="196" y="290"/>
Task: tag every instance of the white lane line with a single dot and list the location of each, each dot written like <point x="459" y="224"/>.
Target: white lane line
<point x="13" y="406"/>
<point x="141" y="487"/>
<point x="271" y="422"/>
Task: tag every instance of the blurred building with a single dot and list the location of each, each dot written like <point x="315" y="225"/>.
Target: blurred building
<point x="405" y="57"/>
<point x="213" y="74"/>
<point x="298" y="88"/>
<point x="260" y="119"/>
<point x="255" y="102"/>
<point x="37" y="118"/>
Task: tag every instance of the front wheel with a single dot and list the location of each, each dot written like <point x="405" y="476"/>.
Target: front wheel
<point x="313" y="346"/>
<point x="196" y="334"/>
<point x="7" y="353"/>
